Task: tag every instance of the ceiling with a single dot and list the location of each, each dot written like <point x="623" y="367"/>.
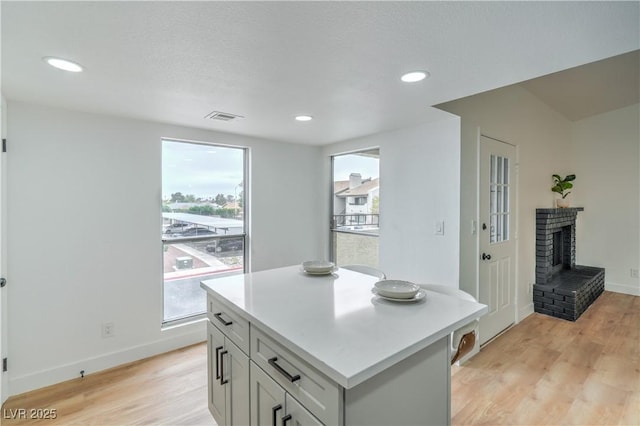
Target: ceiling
<point x="591" y="89"/>
<point x="340" y="62"/>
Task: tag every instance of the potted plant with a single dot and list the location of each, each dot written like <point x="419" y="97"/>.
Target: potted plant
<point x="561" y="186"/>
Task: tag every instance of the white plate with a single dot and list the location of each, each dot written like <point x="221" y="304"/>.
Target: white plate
<point x="396" y="289"/>
<point x="421" y="294"/>
<point x="318" y="267"/>
<point x="330" y="271"/>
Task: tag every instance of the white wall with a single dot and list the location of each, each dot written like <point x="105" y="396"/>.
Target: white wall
<point x="419" y="185"/>
<point x="542" y="138"/>
<point x="606" y="158"/>
<point x="4" y="380"/>
<point x="84" y="197"/>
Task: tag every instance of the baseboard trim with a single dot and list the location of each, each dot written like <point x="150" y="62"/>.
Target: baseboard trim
<point x="524" y="312"/>
<point x="622" y="288"/>
<point x="51" y="376"/>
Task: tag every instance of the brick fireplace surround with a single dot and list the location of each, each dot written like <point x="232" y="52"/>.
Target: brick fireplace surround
<point x="562" y="289"/>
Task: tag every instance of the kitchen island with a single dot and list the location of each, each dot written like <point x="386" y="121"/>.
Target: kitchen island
<point x="289" y="348"/>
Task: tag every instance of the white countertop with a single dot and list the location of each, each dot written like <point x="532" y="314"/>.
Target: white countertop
<point x="335" y="323"/>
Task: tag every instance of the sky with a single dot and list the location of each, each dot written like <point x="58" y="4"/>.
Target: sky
<point x="207" y="170"/>
<point x="344" y="165"/>
<point x="201" y="170"/>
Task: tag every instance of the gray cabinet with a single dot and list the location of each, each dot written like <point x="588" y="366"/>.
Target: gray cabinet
<point x="256" y="379"/>
<point x="228" y="377"/>
<point x="271" y="405"/>
<point x="299" y="416"/>
<point x="301" y="381"/>
<point x="267" y="398"/>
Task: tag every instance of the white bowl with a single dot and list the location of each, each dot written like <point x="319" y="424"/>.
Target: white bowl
<point x="396" y="289"/>
<point x="317" y="266"/>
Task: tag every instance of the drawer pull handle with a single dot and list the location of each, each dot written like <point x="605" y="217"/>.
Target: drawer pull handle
<point x="285" y="419"/>
<point x="217" y="358"/>
<point x="274" y="410"/>
<point x="222" y="320"/>
<point x="285" y="373"/>
<point x="222" y="380"/>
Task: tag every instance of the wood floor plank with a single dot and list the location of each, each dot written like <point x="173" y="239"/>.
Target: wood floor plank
<point x="167" y="389"/>
<point x="597" y="404"/>
<point x="588" y="371"/>
<point x="543" y="371"/>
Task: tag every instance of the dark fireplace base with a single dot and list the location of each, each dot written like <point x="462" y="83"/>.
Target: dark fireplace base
<point x="569" y="293"/>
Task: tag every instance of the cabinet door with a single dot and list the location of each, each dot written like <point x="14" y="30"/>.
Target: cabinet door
<point x="267" y="399"/>
<point x="234" y="368"/>
<point x="217" y="396"/>
<point x="312" y="389"/>
<point x="299" y="416"/>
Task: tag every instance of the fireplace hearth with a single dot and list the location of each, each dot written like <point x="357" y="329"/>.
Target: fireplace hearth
<point x="562" y="289"/>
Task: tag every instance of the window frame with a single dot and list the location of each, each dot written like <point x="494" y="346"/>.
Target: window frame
<point x="246" y="152"/>
<point x="331" y="187"/>
<point x="356" y="203"/>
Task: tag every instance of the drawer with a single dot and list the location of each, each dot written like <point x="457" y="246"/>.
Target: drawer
<point x="235" y="327"/>
<point x="312" y="389"/>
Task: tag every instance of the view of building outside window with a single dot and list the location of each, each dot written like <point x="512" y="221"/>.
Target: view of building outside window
<point x="356" y="203"/>
<point x="203" y="230"/>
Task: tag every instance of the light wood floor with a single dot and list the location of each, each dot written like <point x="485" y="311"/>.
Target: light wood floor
<point x="555" y="372"/>
<point x="168" y="389"/>
<point x="542" y="371"/>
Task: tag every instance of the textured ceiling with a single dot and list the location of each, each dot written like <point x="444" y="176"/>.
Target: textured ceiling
<point x="340" y="62"/>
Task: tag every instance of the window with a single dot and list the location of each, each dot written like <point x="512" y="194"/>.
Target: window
<point x="203" y="216"/>
<point x="356" y="201"/>
<point x="499" y="199"/>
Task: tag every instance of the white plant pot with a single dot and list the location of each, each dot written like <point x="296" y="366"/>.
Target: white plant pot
<point x="562" y="203"/>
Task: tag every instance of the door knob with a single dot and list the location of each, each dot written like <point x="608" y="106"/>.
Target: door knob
<point x="486" y="256"/>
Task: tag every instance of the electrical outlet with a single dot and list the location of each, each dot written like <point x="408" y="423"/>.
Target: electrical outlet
<point x="634" y="273"/>
<point x="108" y="330"/>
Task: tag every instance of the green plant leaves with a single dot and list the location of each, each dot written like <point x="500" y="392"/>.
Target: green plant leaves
<point x="562" y="185"/>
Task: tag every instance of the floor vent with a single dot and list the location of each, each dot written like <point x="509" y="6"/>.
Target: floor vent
<point x="222" y="116"/>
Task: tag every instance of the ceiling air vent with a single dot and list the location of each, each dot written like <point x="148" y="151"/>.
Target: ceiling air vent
<point x="222" y="116"/>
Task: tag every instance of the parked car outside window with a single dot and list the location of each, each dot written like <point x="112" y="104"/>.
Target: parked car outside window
<point x="176" y="227"/>
<point x="192" y="232"/>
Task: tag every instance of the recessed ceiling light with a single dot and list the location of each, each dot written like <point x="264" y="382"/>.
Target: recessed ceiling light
<point x="304" y="117"/>
<point x="414" y="76"/>
<point x="63" y="64"/>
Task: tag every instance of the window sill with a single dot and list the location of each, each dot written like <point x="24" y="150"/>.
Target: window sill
<point x="169" y="325"/>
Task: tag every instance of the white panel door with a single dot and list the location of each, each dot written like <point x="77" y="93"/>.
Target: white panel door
<point x="497" y="236"/>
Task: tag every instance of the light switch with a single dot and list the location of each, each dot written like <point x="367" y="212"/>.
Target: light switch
<point x="439" y="228"/>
